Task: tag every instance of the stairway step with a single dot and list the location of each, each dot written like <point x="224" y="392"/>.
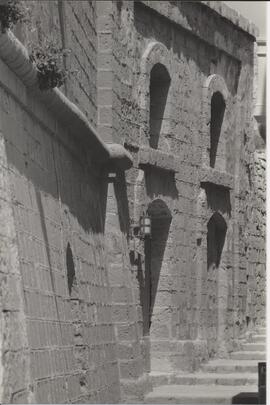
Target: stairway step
<point x="256" y="331"/>
<point x="217" y="375"/>
<point x="160" y="378"/>
<point x="231" y="379"/>
<point x="231" y="366"/>
<point x="249" y="355"/>
<point x="261" y="331"/>
<point x="257" y="347"/>
<point x="199" y="394"/>
<point x="258" y="338"/>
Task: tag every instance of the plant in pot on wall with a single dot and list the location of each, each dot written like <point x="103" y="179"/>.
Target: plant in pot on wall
<point x="48" y="59"/>
<point x="11" y="13"/>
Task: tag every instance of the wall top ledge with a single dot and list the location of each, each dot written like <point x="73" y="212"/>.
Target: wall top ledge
<point x="16" y="57"/>
<point x="231" y="15"/>
<point x="216" y="177"/>
<point x="159" y="159"/>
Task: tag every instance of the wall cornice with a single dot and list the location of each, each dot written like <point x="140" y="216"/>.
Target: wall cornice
<point x="16" y="57"/>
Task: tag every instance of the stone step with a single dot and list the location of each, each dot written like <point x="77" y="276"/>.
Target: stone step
<point x="231" y="379"/>
<point x="161" y="378"/>
<point x="251" y="346"/>
<point x="216" y="375"/>
<point x="249" y="355"/>
<point x="231" y="366"/>
<point x="261" y="331"/>
<point x="200" y="394"/>
<point x="258" y="338"/>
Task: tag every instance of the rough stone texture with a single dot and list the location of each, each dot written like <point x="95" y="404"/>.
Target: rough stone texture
<point x="15" y="376"/>
<point x="71" y="25"/>
<point x="57" y="199"/>
<point x="98" y="307"/>
<point x="255" y="239"/>
<point x="221" y="376"/>
<point x="204" y="312"/>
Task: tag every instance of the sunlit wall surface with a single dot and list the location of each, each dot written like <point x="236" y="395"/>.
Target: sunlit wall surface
<point x="256" y="12"/>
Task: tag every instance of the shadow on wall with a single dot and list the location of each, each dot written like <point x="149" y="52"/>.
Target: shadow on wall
<point x="216" y="233"/>
<point x="120" y="189"/>
<point x="150" y="25"/>
<point x="156" y="27"/>
<point x="218" y="199"/>
<point x="54" y="180"/>
<point x="48" y="254"/>
<point x="160" y="182"/>
<point x="59" y="170"/>
<point x="143" y="298"/>
<point x="154" y="249"/>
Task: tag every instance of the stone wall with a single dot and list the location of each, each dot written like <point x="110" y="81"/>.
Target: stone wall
<point x="58" y="342"/>
<point x="254" y="301"/>
<point x="178" y="172"/>
<point x="257" y="258"/>
<point x="69" y="25"/>
<point x="98" y="307"/>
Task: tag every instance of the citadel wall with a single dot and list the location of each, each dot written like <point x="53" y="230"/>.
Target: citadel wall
<point x="89" y="307"/>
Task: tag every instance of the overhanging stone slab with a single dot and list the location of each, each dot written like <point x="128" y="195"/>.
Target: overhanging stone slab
<point x="156" y="158"/>
<point x="215" y="177"/>
<point x="16" y="57"/>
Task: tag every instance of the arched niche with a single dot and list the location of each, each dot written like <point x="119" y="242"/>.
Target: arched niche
<point x="217" y="115"/>
<point x="159" y="88"/>
<point x="154" y="95"/>
<point x="215" y="98"/>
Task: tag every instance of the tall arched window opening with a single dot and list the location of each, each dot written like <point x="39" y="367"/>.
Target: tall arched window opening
<point x="159" y="87"/>
<point x="217" y="113"/>
<point x="216" y="232"/>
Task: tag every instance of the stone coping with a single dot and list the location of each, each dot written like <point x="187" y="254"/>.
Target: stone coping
<point x="216" y="177"/>
<point x="16" y="57"/>
<point x="219" y="7"/>
<point x="157" y="158"/>
<point x="233" y="16"/>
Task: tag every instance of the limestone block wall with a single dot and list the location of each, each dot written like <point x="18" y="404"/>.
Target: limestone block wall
<point x="258" y="260"/>
<point x="125" y="303"/>
<point x="199" y="62"/>
<point x="70" y="25"/>
<point x="97" y="305"/>
<point x="15" y="361"/>
<point x="80" y="36"/>
<point x="254" y="241"/>
<point x="124" y="284"/>
<point x="57" y="342"/>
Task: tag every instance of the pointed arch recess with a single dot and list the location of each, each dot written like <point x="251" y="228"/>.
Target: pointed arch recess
<point x="155" y="58"/>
